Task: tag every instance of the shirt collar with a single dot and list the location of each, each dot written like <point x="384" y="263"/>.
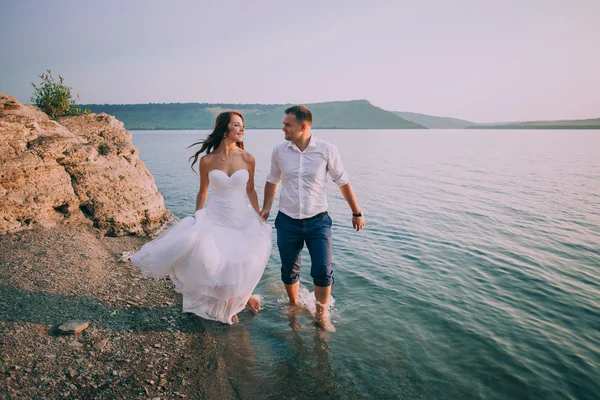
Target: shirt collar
<point x="311" y="144"/>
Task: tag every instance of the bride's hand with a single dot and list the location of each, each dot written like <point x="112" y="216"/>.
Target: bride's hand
<point x="264" y="214"/>
<point x="260" y="216"/>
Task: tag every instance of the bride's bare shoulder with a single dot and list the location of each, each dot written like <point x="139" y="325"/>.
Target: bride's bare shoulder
<point x="207" y="160"/>
<point x="247" y="157"/>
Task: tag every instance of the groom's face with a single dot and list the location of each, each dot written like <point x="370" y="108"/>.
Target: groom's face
<point x="291" y="127"/>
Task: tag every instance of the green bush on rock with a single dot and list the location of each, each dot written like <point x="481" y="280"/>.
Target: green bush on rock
<point x="54" y="98"/>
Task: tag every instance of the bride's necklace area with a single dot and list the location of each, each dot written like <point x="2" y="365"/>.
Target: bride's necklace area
<point x="223" y="155"/>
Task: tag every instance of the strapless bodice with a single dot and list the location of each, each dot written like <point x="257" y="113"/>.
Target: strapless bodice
<point x="228" y="205"/>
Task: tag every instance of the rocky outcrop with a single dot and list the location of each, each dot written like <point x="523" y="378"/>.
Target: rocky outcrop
<point x="81" y="169"/>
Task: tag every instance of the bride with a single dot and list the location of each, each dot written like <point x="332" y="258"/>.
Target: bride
<point x="216" y="258"/>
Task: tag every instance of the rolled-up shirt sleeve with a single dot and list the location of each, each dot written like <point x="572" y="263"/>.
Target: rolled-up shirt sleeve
<point x="274" y="176"/>
<point x="335" y="168"/>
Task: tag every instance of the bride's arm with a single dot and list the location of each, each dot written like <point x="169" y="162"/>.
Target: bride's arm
<point x="252" y="196"/>
<point x="203" y="192"/>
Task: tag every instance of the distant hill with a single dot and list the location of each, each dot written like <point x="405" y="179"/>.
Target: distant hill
<point x="564" y="124"/>
<point x="433" y="122"/>
<point x="355" y="114"/>
<point x="173" y="115"/>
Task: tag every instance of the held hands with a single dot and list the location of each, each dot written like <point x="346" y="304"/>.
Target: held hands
<point x="358" y="223"/>
<point x="264" y="214"/>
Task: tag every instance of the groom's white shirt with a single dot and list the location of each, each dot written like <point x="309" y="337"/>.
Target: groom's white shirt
<point x="303" y="176"/>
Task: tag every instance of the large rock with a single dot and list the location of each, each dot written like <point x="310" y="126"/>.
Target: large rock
<point x="81" y="169"/>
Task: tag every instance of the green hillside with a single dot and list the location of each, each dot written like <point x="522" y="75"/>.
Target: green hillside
<point x="564" y="124"/>
<point x="355" y="114"/>
<point x="173" y="115"/>
<point x="433" y="122"/>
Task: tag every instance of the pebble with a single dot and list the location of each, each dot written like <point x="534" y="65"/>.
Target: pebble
<point x="100" y="344"/>
<point x="74" y="326"/>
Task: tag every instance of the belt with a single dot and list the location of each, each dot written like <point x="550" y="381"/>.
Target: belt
<point x="319" y="215"/>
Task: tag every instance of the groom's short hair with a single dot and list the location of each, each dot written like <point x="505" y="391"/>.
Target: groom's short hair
<point x="301" y="113"/>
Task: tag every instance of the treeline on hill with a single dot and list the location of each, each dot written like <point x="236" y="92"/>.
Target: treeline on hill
<point x="593" y="123"/>
<point x="173" y="115"/>
<point x="354" y="114"/>
<point x="177" y="106"/>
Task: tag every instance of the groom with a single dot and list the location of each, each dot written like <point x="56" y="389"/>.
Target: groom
<point x="302" y="164"/>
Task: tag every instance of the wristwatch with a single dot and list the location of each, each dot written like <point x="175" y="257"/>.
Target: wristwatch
<point x="359" y="214"/>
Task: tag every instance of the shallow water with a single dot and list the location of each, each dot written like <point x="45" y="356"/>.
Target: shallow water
<point x="477" y="276"/>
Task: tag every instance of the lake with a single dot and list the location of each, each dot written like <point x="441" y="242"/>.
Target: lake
<point x="477" y="275"/>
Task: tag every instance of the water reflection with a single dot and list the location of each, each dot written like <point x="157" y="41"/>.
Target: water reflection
<point x="305" y="370"/>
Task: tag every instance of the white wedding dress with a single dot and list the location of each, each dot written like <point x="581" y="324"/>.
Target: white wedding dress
<point x="216" y="258"/>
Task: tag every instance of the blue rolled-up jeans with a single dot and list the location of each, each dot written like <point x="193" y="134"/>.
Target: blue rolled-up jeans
<point x="291" y="236"/>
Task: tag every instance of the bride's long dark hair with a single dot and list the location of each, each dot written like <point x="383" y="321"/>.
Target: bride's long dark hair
<point x="219" y="132"/>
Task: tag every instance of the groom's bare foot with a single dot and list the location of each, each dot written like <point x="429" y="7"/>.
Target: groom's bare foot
<point x="325" y="324"/>
<point x="254" y="304"/>
<point x="322" y="318"/>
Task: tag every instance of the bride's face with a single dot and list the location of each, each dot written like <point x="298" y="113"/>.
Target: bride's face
<point x="235" y="129"/>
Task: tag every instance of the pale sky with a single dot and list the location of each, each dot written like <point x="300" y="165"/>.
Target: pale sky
<point x="484" y="61"/>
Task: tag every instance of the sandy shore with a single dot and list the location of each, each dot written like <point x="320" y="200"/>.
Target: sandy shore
<point x="138" y="344"/>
